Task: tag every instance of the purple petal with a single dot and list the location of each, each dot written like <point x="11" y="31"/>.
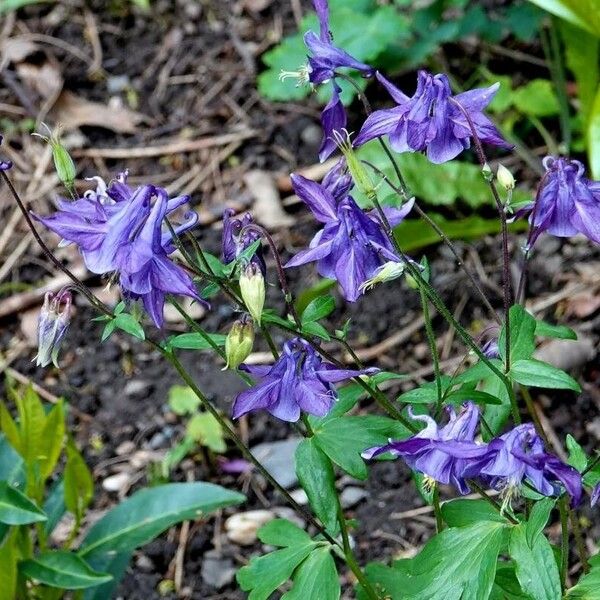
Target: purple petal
<point x="316" y="197"/>
<point x="333" y="119"/>
<point x="378" y="124"/>
<point x="398" y="95"/>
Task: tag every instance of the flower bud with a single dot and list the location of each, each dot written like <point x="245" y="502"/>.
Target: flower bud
<point x="52" y="326"/>
<point x="238" y="343"/>
<point x="387" y="272"/>
<point x="63" y="163"/>
<point x="505" y="178"/>
<point x="488" y="175"/>
<point x="252" y="287"/>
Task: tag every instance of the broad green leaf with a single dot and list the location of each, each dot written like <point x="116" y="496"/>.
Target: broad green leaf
<point x="195" y="341"/>
<point x="62" y="569"/>
<point x="535" y="566"/>
<point x="31" y="426"/>
<point x="16" y="508"/>
<point x="583" y="13"/>
<point x="540" y="513"/>
<point x="593" y="137"/>
<point x="495" y="416"/>
<point x="506" y="584"/>
<point x="314" y="328"/>
<point x="9" y="429"/>
<point x="79" y="483"/>
<point x="315" y="474"/>
<point x="183" y="400"/>
<point x="461" y="512"/>
<point x="540" y="374"/>
<point x="319" y="308"/>
<point x="7" y="6"/>
<point x="577" y="456"/>
<point x="149" y="512"/>
<point x="54" y="506"/>
<point x="588" y="586"/>
<point x="522" y="334"/>
<point x="207" y="431"/>
<point x="344" y="438"/>
<point x="308" y="295"/>
<point x="53" y="438"/>
<point x="561" y="332"/>
<point x="263" y="575"/>
<point x="113" y="564"/>
<point x="536" y="99"/>
<point x="281" y="532"/>
<point x="8" y="569"/>
<point x="467" y="395"/>
<point x="128" y="324"/>
<point x="11" y="463"/>
<point x="424" y="394"/>
<point x="316" y="577"/>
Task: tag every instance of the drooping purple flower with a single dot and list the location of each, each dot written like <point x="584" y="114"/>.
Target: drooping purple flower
<point x="595" y="495"/>
<point x="120" y="229"/>
<point x="53" y="323"/>
<point x="236" y="239"/>
<point x="431" y="121"/>
<point x="352" y="245"/>
<point x="4" y="164"/>
<point x="517" y="457"/>
<point x="442" y="454"/>
<point x="298" y="382"/>
<point x="567" y="202"/>
<point x="491" y="349"/>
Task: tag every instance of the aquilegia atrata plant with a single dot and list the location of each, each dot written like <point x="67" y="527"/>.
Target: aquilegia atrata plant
<point x="474" y="440"/>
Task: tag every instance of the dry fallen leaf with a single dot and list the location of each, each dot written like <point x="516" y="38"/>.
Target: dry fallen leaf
<point x="582" y="305"/>
<point x="267" y="208"/>
<point x="45" y="79"/>
<point x="567" y="354"/>
<point x="73" y="111"/>
<point x="16" y="49"/>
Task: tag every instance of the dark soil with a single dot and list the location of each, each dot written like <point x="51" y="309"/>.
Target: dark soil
<point x="123" y="387"/>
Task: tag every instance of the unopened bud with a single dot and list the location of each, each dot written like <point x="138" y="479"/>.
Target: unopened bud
<point x="238" y="343"/>
<point x="361" y="178"/>
<point x="505" y="178"/>
<point x="252" y="287"/>
<point x="487" y="172"/>
<point x="387" y="272"/>
<point x="52" y="326"/>
<point x="63" y="163"/>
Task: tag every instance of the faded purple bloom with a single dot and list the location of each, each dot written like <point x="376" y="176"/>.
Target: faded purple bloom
<point x="567" y="202"/>
<point x="4" y="164"/>
<point x="298" y="381"/>
<point x="352" y="245"/>
<point x="234" y="466"/>
<point x="235" y="239"/>
<point x="441" y="454"/>
<point x="490" y="349"/>
<point x="518" y="456"/>
<point x="431" y="121"/>
<point x="52" y="325"/>
<point x="595" y="495"/>
<point x="119" y="229"/>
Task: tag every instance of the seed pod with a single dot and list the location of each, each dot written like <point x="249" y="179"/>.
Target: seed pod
<point x="505" y="178"/>
<point x="239" y="342"/>
<point x="252" y="287"/>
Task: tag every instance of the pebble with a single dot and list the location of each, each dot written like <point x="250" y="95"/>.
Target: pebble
<point x="117" y="482"/>
<point x="299" y="496"/>
<point x="278" y="459"/>
<point x="143" y="563"/>
<point x="217" y="571"/>
<point x="241" y="528"/>
<point x="351" y="496"/>
<point x="126" y="447"/>
<point x="117" y="83"/>
<point x="135" y="387"/>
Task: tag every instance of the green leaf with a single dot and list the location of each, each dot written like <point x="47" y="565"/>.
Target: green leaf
<point x="495" y="416"/>
<point x="582" y="13"/>
<point x="313" y="328"/>
<point x="593" y="137"/>
<point x="308" y="295"/>
<point x="149" y="512"/>
<point x="522" y="334"/>
<point x="62" y="570"/>
<point x="536" y="99"/>
<point x="469" y="395"/>
<point x="195" y="341"/>
<point x="207" y="431"/>
<point x="183" y="400"/>
<point x="577" y="456"/>
<point x="506" y="584"/>
<point x="31" y="426"/>
<point x="113" y="564"/>
<point x="11" y="464"/>
<point x="462" y="513"/>
<point x="128" y="324"/>
<point x="540" y="513"/>
<point x="281" y="532"/>
<point x="316" y="577"/>
<point x="10" y="428"/>
<point x="536" y="567"/>
<point x="588" y="586"/>
<point x="424" y="394"/>
<point x="53" y="438"/>
<point x="561" y="332"/>
<point x="79" y="483"/>
<point x="16" y="508"/>
<point x="7" y="6"/>
<point x="54" y="506"/>
<point x="319" y="308"/>
<point x="540" y="374"/>
<point x="315" y="474"/>
<point x="344" y="438"/>
<point x="8" y="569"/>
<point x="264" y="574"/>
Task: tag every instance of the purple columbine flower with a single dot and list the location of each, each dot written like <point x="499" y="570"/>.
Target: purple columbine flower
<point x="53" y="323"/>
<point x="236" y="239"/>
<point x="431" y="121"/>
<point x="119" y="229"/>
<point x="567" y="202"/>
<point x="352" y="246"/>
<point x="442" y="454"/>
<point x="518" y="456"/>
<point x="298" y="381"/>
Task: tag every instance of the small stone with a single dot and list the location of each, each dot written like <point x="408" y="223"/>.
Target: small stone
<point x="136" y="387"/>
<point x="241" y="528"/>
<point x="116" y="483"/>
<point x="127" y="447"/>
<point x="311" y="135"/>
<point x="143" y="563"/>
<point x="216" y="571"/>
<point x="117" y="84"/>
<point x="299" y="496"/>
<point x="278" y="459"/>
<point x="351" y="496"/>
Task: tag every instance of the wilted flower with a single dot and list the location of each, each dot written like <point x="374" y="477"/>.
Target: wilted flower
<point x="239" y="342"/>
<point x="119" y="229"/>
<point x="491" y="349"/>
<point x="567" y="202"/>
<point x="442" y="454"/>
<point x="52" y="325"/>
<point x="431" y="121"/>
<point x="352" y="245"/>
<point x="4" y="164"/>
<point x="236" y="238"/>
<point x="518" y="457"/>
<point x="298" y="381"/>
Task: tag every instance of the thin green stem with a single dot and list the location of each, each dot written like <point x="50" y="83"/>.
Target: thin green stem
<point x="564" y="543"/>
<point x="435" y="357"/>
<point x="439" y="521"/>
<point x="270" y="342"/>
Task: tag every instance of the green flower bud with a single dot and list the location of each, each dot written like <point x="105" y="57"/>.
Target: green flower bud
<point x="387" y="272"/>
<point x="63" y="163"/>
<point x="505" y="178"/>
<point x="252" y="287"/>
<point x="238" y="343"/>
<point x="488" y="175"/>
